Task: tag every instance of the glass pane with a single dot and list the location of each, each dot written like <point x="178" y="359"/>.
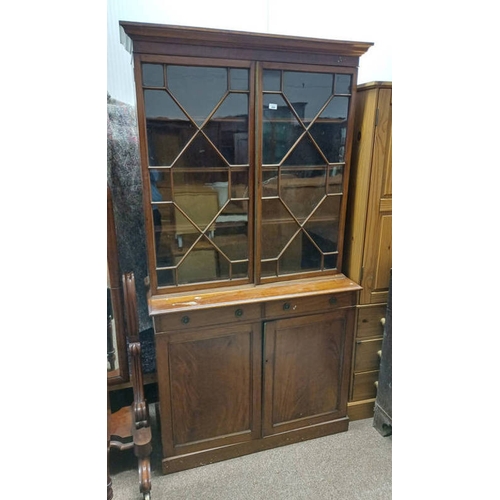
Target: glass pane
<point x="335" y="179"/>
<point x="330" y="261"/>
<point x="337" y="109"/>
<point x="239" y="270"/>
<point x="165" y="277"/>
<point x="330" y="129"/>
<point x="269" y="182"/>
<point x="342" y="84"/>
<point x="269" y="268"/>
<point x="234" y="246"/>
<point x="312" y="258"/>
<point x="272" y="80"/>
<point x="198" y="89"/>
<point x="164" y="232"/>
<point x="280" y="129"/>
<point x="152" y="75"/>
<point x="199" y="264"/>
<point x="302" y="191"/>
<point x="239" y="184"/>
<point x="168" y="128"/>
<point x="305" y="154"/>
<point x="200" y="154"/>
<point x="161" y="189"/>
<point x="291" y="260"/>
<point x="228" y="128"/>
<point x="200" y="207"/>
<point x="308" y="92"/>
<point x="239" y="79"/>
<point x="278" y="227"/>
<point x="328" y="209"/>
<point x="324" y="234"/>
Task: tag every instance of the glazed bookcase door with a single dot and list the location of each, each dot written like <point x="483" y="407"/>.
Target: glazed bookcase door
<point x="303" y="157"/>
<point x="245" y="169"/>
<point x="198" y="128"/>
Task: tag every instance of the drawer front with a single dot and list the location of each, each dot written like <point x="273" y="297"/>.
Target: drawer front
<point x="364" y="386"/>
<point x="172" y="322"/>
<point x="366" y="357"/>
<point x="370" y="321"/>
<point x="305" y="305"/>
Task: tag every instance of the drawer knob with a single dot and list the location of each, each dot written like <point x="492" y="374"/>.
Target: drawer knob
<point x="185" y="319"/>
<point x="333" y="300"/>
<point x="382" y="321"/>
<point x="286" y="306"/>
<point x="379" y="354"/>
<point x="238" y="313"/>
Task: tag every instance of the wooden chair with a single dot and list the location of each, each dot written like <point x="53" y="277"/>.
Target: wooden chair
<point x="130" y="427"/>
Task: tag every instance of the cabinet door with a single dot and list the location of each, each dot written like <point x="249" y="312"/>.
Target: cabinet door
<point x="306" y="370"/>
<point x="377" y="261"/>
<point x="305" y="114"/>
<point x="210" y="385"/>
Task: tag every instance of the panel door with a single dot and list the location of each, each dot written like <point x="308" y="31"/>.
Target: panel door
<point x="210" y="386"/>
<point x="377" y="257"/>
<point x="306" y="370"/>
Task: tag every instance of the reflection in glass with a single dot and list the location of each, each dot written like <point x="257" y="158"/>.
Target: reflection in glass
<point x="269" y="268"/>
<point x="198" y="89"/>
<point x="161" y="188"/>
<point x="302" y="191"/>
<point x="291" y="260"/>
<point x="335" y="179"/>
<point x="269" y="182"/>
<point x="239" y="79"/>
<point x="280" y="129"/>
<point x="342" y="84"/>
<point x="271" y="80"/>
<point x="324" y="234"/>
<point x="152" y="75"/>
<point x="330" y="129"/>
<point x="200" y="154"/>
<point x="168" y="128"/>
<point x="305" y="153"/>
<point x="199" y="264"/>
<point x="308" y="92"/>
<point x="278" y="227"/>
<point x="228" y="129"/>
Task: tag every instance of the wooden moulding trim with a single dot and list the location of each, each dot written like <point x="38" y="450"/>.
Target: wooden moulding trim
<point x="247" y="294"/>
<point x="374" y="85"/>
<point x="240" y="39"/>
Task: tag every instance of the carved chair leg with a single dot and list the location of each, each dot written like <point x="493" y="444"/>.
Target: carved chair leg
<point x="145" y="477"/>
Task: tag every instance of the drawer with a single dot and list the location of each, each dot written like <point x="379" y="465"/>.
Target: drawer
<point x="369" y="321"/>
<point x="364" y="386"/>
<point x="305" y="305"/>
<point x="176" y="321"/>
<point x="366" y="356"/>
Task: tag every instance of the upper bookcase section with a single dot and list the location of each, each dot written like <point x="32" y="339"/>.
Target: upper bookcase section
<point x="158" y="39"/>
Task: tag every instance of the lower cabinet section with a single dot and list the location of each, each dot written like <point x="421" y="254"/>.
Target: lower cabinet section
<point x="233" y="389"/>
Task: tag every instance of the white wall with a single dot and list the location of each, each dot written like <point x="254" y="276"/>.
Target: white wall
<point x="335" y="19"/>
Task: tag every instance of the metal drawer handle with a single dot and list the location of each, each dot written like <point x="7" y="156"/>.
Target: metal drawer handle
<point x="286" y="306"/>
<point x="185" y="319"/>
<point x="333" y="300"/>
<point x="238" y="313"/>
